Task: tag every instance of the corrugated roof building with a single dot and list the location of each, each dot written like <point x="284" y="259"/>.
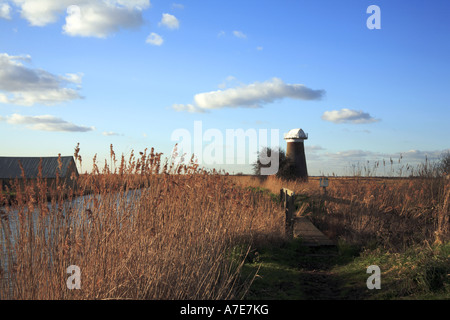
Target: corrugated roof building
<point x="10" y="168"/>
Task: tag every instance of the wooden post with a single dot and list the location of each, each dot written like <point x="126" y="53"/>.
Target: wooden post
<point x="323" y="183"/>
<point x="287" y="198"/>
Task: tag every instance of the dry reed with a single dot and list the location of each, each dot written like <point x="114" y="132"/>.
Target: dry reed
<point x="395" y="213"/>
<point x="143" y="229"/>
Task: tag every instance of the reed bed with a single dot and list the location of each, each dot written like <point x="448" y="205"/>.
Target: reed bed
<point x="366" y="211"/>
<point x="394" y="214"/>
<point x="142" y="228"/>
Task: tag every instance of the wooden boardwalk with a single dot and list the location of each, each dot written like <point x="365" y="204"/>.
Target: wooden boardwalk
<point x="310" y="235"/>
<point x="301" y="227"/>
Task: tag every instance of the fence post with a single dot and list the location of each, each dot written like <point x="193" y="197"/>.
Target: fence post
<point x="287" y="198"/>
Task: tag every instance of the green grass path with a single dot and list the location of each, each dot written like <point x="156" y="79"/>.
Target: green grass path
<point x="291" y="271"/>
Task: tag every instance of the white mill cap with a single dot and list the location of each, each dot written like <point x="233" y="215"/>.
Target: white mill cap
<point x="295" y="135"/>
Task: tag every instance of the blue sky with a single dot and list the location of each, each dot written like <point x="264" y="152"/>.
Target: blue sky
<point x="130" y="73"/>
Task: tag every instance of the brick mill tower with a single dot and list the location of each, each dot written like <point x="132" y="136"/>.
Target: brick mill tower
<point x="295" y="151"/>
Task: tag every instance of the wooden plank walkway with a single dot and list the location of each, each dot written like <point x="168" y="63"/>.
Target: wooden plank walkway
<point x="310" y="235"/>
<point x="301" y="226"/>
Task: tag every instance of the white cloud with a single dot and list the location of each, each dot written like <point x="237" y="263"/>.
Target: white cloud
<point x="98" y="20"/>
<point x="74" y="78"/>
<point x="169" y="21"/>
<point x="154" y="39"/>
<point x="43" y="12"/>
<point x="188" y="107"/>
<point x="131" y="4"/>
<point x="239" y="34"/>
<point x="87" y="18"/>
<point x="3" y="98"/>
<point x="26" y="86"/>
<point x="46" y="123"/>
<point x="5" y="11"/>
<point x="250" y="96"/>
<point x="348" y="116"/>
<point x="49" y="97"/>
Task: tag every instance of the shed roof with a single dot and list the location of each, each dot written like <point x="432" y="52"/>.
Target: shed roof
<point x="10" y="168"/>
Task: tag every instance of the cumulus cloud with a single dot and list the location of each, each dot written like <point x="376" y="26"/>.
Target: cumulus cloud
<point x="5" y="11"/>
<point x="348" y="116"/>
<point x="239" y="34"/>
<point x="169" y="21"/>
<point x="86" y="18"/>
<point x="250" y="96"/>
<point x="99" y="20"/>
<point x="46" y="123"/>
<point x="27" y="86"/>
<point x="43" y="12"/>
<point x="155" y="39"/>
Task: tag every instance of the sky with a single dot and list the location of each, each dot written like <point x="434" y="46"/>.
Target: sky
<point x="366" y="84"/>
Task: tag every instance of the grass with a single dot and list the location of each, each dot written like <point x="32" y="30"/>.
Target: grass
<point x="419" y="273"/>
<point x="278" y="277"/>
<point x="290" y="271"/>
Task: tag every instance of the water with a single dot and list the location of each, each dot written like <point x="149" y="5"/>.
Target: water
<point x="72" y="214"/>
